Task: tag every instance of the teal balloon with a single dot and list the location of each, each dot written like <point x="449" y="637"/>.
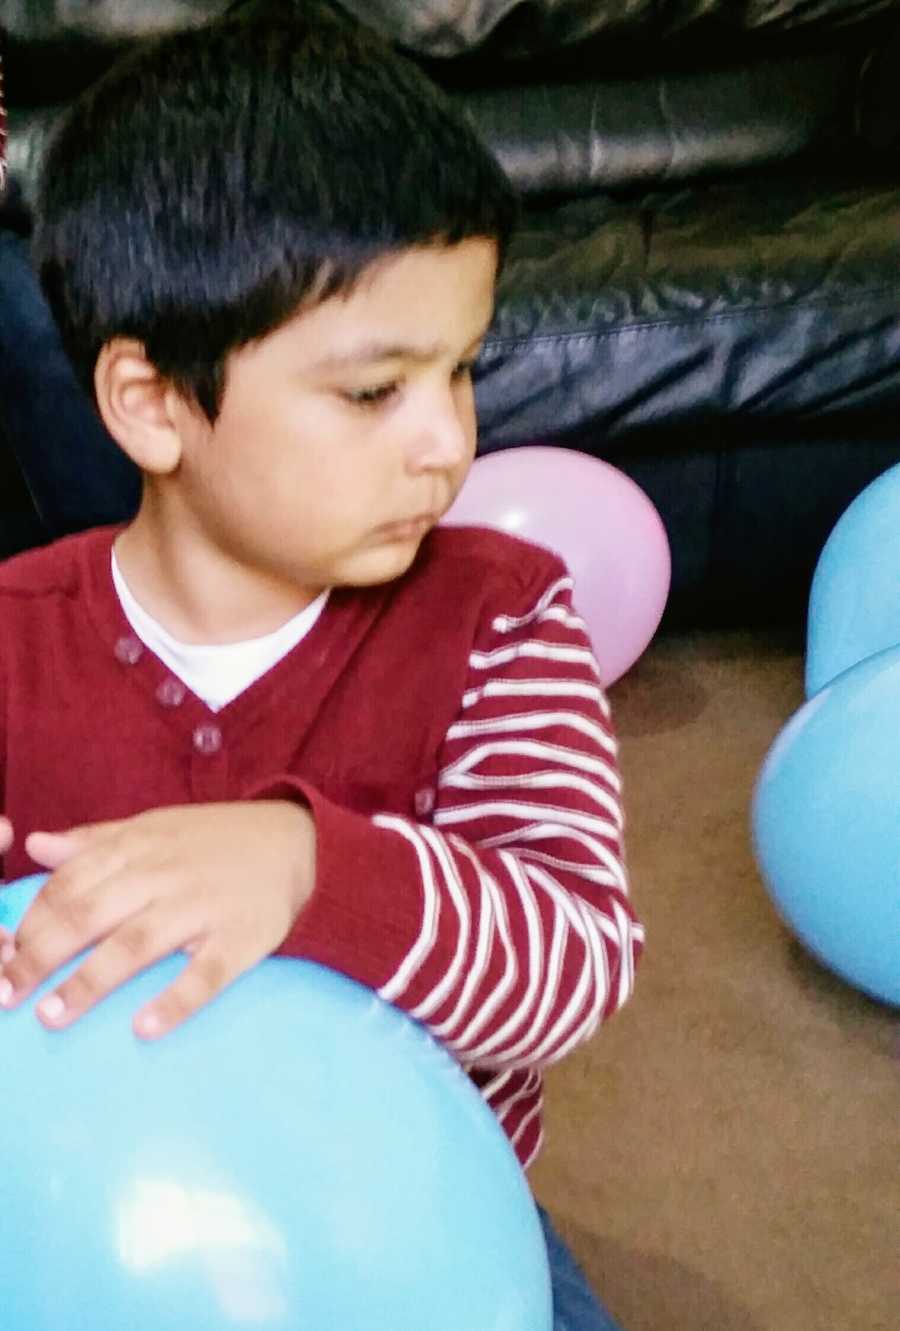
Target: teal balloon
<point x="854" y="604"/>
<point x="826" y="825"/>
<point x="299" y="1154"/>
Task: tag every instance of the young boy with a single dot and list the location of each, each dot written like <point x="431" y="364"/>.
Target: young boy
<point x="281" y="710"/>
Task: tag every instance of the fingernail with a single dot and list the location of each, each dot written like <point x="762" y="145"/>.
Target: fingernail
<point x="6" y="993"/>
<point x="52" y="1007"/>
<point x="148" y="1023"/>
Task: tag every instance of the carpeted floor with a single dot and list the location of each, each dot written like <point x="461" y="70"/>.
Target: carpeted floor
<point x="724" y="1155"/>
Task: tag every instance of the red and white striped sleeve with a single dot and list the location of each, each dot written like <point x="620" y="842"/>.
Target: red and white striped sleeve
<point x="503" y="922"/>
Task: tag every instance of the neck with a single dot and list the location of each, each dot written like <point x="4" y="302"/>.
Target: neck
<point x="197" y="590"/>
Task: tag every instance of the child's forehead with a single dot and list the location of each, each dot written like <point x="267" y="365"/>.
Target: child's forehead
<point x="449" y="271"/>
<point x="413" y="304"/>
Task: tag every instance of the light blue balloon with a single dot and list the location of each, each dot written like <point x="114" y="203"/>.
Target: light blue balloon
<point x="854" y="604"/>
<point x="826" y="825"/>
<point x="299" y="1155"/>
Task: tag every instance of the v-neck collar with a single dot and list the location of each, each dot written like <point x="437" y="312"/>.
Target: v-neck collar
<point x="315" y="663"/>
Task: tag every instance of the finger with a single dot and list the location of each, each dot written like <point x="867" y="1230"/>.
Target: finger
<point x="130" y="949"/>
<point x="6" y="835"/>
<point x="74" y="909"/>
<point x="209" y="971"/>
<point x="7" y="945"/>
<point x="50" y="849"/>
<point x="53" y="849"/>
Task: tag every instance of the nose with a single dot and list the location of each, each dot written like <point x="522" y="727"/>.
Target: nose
<point x="443" y="438"/>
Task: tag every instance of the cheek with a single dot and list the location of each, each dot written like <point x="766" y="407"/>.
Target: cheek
<point x="305" y="464"/>
<point x="272" y="451"/>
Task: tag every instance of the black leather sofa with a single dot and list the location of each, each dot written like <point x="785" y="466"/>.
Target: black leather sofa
<point x="705" y="290"/>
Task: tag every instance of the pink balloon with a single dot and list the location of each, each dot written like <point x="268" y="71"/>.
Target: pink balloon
<point x="598" y="520"/>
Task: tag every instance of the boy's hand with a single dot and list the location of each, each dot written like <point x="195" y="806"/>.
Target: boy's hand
<point x="223" y="882"/>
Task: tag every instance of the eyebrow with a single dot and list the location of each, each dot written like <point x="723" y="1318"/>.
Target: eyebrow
<point x="370" y="353"/>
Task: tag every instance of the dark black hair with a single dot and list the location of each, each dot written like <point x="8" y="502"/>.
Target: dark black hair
<point x="219" y="178"/>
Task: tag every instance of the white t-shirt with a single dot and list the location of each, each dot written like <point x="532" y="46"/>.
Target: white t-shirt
<point x="219" y="672"/>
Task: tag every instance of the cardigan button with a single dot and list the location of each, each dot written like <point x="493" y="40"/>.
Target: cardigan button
<point x="129" y="650"/>
<point x="171" y="692"/>
<point x="424" y="802"/>
<point x="207" y="740"/>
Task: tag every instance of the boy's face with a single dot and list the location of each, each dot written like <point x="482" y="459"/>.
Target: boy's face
<point x="354" y="417"/>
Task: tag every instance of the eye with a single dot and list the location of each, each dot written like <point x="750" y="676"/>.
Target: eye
<point x="373" y="398"/>
<point x="370" y="397"/>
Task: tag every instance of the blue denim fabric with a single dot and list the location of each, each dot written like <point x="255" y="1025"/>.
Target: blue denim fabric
<point x="76" y="474"/>
<point x="575" y="1306"/>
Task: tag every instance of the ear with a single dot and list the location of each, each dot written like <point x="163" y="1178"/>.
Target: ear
<point x="139" y="407"/>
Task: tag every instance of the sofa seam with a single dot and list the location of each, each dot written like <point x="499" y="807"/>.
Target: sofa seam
<point x="596" y="334"/>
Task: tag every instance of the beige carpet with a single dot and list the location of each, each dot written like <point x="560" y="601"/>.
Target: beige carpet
<point x="724" y="1154"/>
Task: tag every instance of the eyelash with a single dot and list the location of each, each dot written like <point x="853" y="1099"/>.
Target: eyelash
<point x="370" y="399"/>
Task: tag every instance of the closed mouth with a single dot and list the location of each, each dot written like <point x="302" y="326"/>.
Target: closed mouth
<point x="409" y="524"/>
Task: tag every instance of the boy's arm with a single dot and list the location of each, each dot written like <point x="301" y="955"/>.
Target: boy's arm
<point x="503" y="922"/>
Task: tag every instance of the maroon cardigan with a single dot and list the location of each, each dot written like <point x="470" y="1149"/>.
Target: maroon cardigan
<point x="448" y="732"/>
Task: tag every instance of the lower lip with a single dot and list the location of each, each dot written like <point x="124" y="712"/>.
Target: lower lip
<point x="406" y="531"/>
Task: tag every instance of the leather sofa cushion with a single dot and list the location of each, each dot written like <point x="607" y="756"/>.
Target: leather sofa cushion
<point x="571" y="138"/>
<point x="524" y="29"/>
<point x="3" y="129"/>
<point x="28" y="131"/>
<point x="580" y="137"/>
<point x="58" y="47"/>
<point x="104" y="20"/>
<point x="563" y="137"/>
<point x="753" y="300"/>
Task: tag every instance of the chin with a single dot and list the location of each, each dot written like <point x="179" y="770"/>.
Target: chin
<point x="385" y="563"/>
